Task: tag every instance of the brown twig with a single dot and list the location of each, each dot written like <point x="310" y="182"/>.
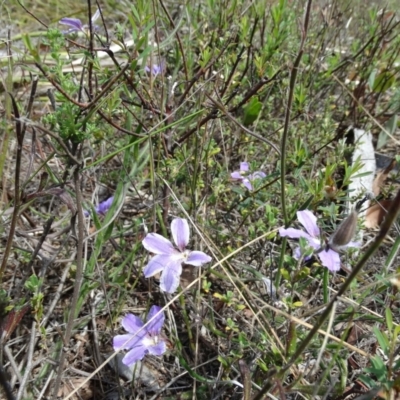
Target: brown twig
<point x="59" y="140"/>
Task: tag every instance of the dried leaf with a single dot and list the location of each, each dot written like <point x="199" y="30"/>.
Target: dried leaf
<point x="376" y="214"/>
<point x="355" y="333"/>
<point x="11" y="321"/>
<point x="381" y="177"/>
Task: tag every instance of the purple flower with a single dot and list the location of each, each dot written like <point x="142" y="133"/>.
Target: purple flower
<point x="169" y="259"/>
<point x="102" y="208"/>
<point x="329" y="258"/>
<point x="142" y="338"/>
<point x="155" y="69"/>
<point x="76" y="24"/>
<point x="245" y="177"/>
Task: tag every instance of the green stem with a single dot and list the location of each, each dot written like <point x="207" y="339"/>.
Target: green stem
<point x="326" y="285"/>
<point x="187" y="322"/>
<point x="7" y="129"/>
<point x="285" y="136"/>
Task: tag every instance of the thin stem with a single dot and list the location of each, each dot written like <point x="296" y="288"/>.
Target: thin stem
<point x="8" y="106"/>
<point x="171" y="21"/>
<point x="286" y="128"/>
<point x="78" y="281"/>
<point x="326" y="285"/>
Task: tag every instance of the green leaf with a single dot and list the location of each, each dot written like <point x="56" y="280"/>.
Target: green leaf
<point x="32" y="283"/>
<point x="32" y="50"/>
<point x="378" y="369"/>
<point x="396" y="332"/>
<point x="291" y="339"/>
<point x="251" y="111"/>
<point x="389" y="319"/>
<point x="367" y="381"/>
<point x="382" y="339"/>
<point x="390" y="126"/>
<point x="371" y="79"/>
<point x="383" y="82"/>
<point x="285" y="274"/>
<point x="342" y="363"/>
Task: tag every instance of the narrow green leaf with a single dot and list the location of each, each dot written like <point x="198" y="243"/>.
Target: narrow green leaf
<point x="383" y="82"/>
<point x="251" y="111"/>
<point x="32" y="50"/>
<point x="371" y="79"/>
<point x="390" y="126"/>
<point x="291" y="339"/>
<point x="382" y="340"/>
<point x="389" y="319"/>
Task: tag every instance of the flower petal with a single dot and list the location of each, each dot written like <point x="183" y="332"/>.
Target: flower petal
<point x="247" y="183"/>
<point x="353" y="244"/>
<point x="257" y="175"/>
<point x="198" y="258"/>
<point x="180" y="232"/>
<point x="294" y="233"/>
<point x="330" y="259"/>
<point x="135" y="355"/>
<point x="158" y="349"/>
<point x="170" y="277"/>
<point x="132" y="323"/>
<point x="237" y="175"/>
<point x="126" y="341"/>
<point x="157" y="244"/>
<point x="156" y="264"/>
<point x="244" y="166"/>
<point x="154" y="69"/>
<point x="156" y="320"/>
<point x="75" y="23"/>
<point x="95" y="15"/>
<point x="104" y="206"/>
<point x="297" y="253"/>
<point x="309" y="221"/>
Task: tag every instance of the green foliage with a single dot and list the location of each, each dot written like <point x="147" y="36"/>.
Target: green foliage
<point x="34" y="284"/>
<point x="251" y="111"/>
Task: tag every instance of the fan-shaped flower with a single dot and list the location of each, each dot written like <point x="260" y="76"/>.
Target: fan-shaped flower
<point x="155" y="69"/>
<point x="142" y="338"/>
<point x="169" y="259"/>
<point x="329" y="257"/>
<point x="243" y="175"/>
<point x="102" y="207"/>
<point x="76" y="24"/>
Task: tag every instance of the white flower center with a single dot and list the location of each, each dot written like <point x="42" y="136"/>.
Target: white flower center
<point x="151" y="340"/>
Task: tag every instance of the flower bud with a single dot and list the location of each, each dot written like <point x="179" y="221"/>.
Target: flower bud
<point x="345" y="232"/>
